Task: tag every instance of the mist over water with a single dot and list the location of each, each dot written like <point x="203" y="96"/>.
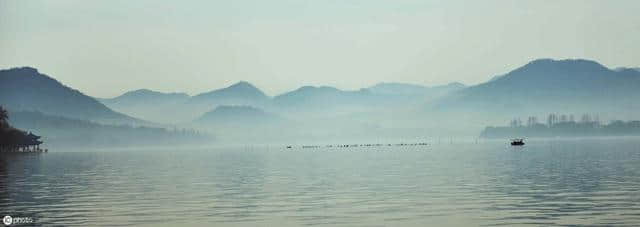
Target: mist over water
<point x="548" y="182"/>
<point x="320" y="113"/>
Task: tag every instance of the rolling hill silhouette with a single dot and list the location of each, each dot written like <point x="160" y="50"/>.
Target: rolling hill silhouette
<point x="548" y="85"/>
<point x="26" y="89"/>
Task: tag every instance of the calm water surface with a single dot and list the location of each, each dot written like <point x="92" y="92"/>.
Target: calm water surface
<point x="563" y="183"/>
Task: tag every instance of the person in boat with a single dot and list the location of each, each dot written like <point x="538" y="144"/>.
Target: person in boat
<point x="517" y="142"/>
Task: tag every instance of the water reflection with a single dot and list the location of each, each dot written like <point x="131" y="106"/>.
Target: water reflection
<point x="20" y="188"/>
<point x="240" y="181"/>
<point x="561" y="183"/>
<point x="570" y="183"/>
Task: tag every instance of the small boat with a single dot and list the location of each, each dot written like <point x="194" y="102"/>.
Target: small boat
<point x="288" y="147"/>
<point x="517" y="142"/>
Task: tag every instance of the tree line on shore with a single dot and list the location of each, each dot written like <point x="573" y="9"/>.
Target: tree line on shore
<point x="12" y="139"/>
<point x="563" y="126"/>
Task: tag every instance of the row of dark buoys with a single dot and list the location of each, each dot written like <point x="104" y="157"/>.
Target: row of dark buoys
<point x="310" y="147"/>
<point x="364" y="145"/>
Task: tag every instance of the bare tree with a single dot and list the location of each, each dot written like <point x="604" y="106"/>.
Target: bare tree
<point x="532" y="121"/>
<point x="552" y="119"/>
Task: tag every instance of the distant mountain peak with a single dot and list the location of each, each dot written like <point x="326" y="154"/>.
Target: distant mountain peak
<point x="319" y="88"/>
<point x="49" y="96"/>
<point x="137" y="92"/>
<point x="549" y="83"/>
<point x="565" y="64"/>
<point x="546" y="69"/>
<point x="240" y="90"/>
<point x="150" y="93"/>
<point x="568" y="60"/>
<point x="25" y="69"/>
<point x="242" y="84"/>
<point x="238" y="114"/>
<point x="144" y="91"/>
<point x="307" y="87"/>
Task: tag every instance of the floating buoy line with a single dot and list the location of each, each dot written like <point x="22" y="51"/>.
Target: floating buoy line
<point x="360" y="145"/>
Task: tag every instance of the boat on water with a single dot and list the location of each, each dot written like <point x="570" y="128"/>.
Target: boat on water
<point x="517" y="142"/>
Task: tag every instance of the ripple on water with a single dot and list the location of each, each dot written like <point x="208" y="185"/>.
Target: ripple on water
<point x="586" y="183"/>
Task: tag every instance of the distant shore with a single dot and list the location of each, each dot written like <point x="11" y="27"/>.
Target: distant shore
<point x="564" y="129"/>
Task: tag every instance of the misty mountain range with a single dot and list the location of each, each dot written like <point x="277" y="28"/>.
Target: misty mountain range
<point x="547" y="85"/>
<point x="181" y="108"/>
<point x="25" y="89"/>
<point x="237" y="116"/>
<point x="539" y="87"/>
<point x="59" y="131"/>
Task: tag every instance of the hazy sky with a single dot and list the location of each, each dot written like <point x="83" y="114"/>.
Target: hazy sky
<point x="104" y="48"/>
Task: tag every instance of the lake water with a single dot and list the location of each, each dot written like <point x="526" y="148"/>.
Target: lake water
<point x="577" y="182"/>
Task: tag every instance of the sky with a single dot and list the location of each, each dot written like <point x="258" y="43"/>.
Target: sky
<point x="105" y="48"/>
